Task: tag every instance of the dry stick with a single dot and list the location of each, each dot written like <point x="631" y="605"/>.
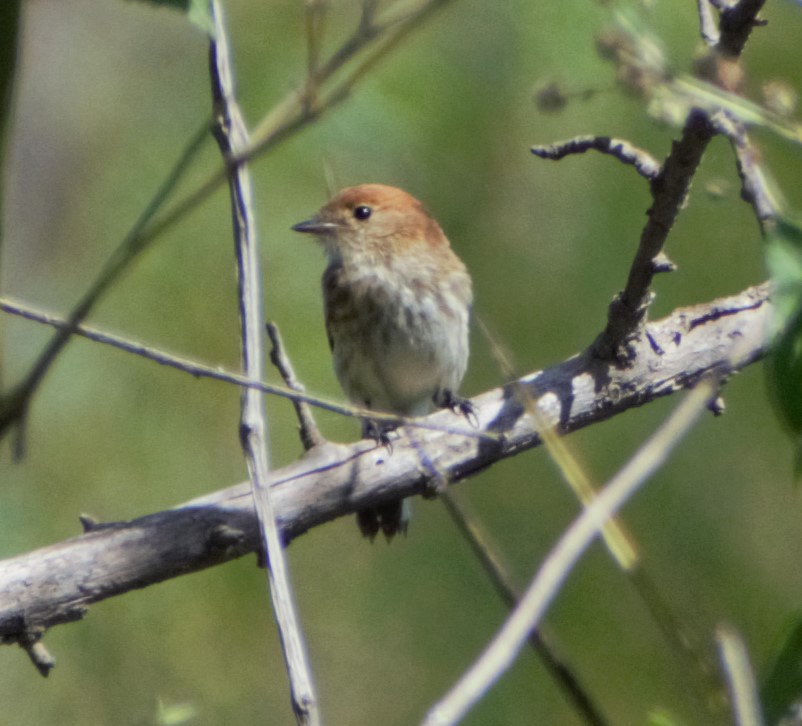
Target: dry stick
<point x="707" y="23"/>
<point x="622" y="150"/>
<point x="40" y="656"/>
<point x="627" y="312"/>
<point x="57" y="583"/>
<point x="500" y="654"/>
<point x="669" y="189"/>
<point x="288" y="118"/>
<point x="755" y="188"/>
<point x="231" y="135"/>
<point x="315" y="20"/>
<point x="309" y="431"/>
<point x="488" y="556"/>
<point x="736" y="25"/>
<point x="200" y="370"/>
<point x="740" y="678"/>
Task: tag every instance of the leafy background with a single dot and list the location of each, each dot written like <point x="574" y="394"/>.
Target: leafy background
<point x="107" y="95"/>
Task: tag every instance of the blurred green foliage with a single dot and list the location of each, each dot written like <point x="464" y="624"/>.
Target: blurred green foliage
<point x="108" y="95"/>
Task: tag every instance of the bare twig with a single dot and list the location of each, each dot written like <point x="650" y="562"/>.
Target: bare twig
<point x="315" y="21"/>
<point x="756" y="189"/>
<point x="56" y="584"/>
<point x="232" y="136"/>
<point x="41" y="658"/>
<point x="622" y="150"/>
<point x="736" y="25"/>
<point x="200" y="370"/>
<point x="14" y="404"/>
<point x="490" y="559"/>
<point x="309" y="431"/>
<point x="627" y="312"/>
<point x="566" y="553"/>
<point x="740" y="678"/>
<point x="707" y="23"/>
<point x="292" y="113"/>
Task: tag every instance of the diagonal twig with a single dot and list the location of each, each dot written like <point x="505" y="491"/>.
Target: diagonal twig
<point x="564" y="555"/>
<point x="309" y="431"/>
<point x="488" y="556"/>
<point x="740" y="677"/>
<point x="231" y="135"/>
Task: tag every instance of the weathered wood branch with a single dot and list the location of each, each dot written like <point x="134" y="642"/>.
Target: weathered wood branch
<point x="56" y="584"/>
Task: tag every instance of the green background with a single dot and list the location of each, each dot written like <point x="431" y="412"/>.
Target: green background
<point x="108" y="94"/>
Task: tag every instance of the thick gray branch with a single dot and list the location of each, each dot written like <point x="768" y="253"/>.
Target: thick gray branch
<point x="56" y="584"/>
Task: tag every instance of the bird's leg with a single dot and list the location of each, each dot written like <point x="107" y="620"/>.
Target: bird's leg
<point x="446" y="398"/>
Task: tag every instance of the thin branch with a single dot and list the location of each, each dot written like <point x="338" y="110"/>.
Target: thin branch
<point x="231" y="135"/>
<point x="756" y="189"/>
<point x="564" y="555"/>
<point x="707" y="23"/>
<point x="626" y="153"/>
<point x="490" y="559"/>
<point x="292" y="113"/>
<point x="736" y="25"/>
<point x="669" y="189"/>
<point x="57" y="583"/>
<point x="309" y="431"/>
<point x="627" y="312"/>
<point x="217" y="373"/>
<point x="315" y="22"/>
<point x="740" y="678"/>
<point x="40" y="656"/>
<point x="13" y="405"/>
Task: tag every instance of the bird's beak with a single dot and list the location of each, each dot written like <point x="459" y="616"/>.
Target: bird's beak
<point x="315" y="225"/>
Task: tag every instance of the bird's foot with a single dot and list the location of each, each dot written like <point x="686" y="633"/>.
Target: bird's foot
<point x="462" y="406"/>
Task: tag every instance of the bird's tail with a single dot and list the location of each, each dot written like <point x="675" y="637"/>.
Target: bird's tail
<point x="391" y="518"/>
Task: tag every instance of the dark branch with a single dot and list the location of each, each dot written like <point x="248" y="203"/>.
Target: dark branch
<point x="627" y="312"/>
<point x="622" y="150"/>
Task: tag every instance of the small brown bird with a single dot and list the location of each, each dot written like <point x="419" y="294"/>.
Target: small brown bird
<point x="397" y="303"/>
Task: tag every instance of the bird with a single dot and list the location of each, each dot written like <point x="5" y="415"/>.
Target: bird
<point x="397" y="302"/>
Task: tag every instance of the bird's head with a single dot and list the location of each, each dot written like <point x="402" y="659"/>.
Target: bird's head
<point x="372" y="220"/>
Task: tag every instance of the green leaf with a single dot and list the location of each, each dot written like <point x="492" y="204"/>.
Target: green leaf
<point x="784" y="262"/>
<point x="661" y="717"/>
<point x="784" y="368"/>
<point x="200" y="15"/>
<point x="782" y="686"/>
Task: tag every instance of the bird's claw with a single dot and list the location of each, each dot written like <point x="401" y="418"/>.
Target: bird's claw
<point x="379" y="433"/>
<point x="462" y="406"/>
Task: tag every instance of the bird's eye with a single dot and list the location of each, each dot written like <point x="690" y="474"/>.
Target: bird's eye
<point x="362" y="212"/>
